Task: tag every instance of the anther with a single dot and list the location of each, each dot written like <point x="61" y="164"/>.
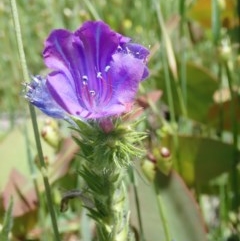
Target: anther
<point x="85" y="79"/>
<point x="92" y="92"/>
<point x="99" y="75"/>
<point x="107" y="68"/>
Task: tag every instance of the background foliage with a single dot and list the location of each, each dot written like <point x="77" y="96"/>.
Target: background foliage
<point x="191" y="107"/>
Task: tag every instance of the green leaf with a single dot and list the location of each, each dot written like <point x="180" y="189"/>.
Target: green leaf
<point x="201" y="85"/>
<point x="202" y="159"/>
<point x="20" y="189"/>
<point x="201" y="11"/>
<point x="220" y="114"/>
<point x="7" y="223"/>
<point x="180" y="210"/>
<point x="15" y="155"/>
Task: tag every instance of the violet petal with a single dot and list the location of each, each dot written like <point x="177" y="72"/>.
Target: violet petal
<point x="96" y="71"/>
<point x="37" y="93"/>
<point x="126" y="71"/>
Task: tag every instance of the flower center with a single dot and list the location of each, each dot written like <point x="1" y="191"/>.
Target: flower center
<point x="95" y="92"/>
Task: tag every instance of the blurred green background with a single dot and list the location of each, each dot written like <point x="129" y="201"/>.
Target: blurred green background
<point x="195" y="69"/>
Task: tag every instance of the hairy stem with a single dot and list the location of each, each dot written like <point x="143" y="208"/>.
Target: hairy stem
<point x="110" y="205"/>
<point x="106" y="159"/>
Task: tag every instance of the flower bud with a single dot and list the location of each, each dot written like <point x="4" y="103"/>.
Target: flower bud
<point x="165" y="153"/>
<point x="106" y="125"/>
<point x="50" y="133"/>
<point x="149" y="169"/>
<point x="225" y="50"/>
<point x="164" y="162"/>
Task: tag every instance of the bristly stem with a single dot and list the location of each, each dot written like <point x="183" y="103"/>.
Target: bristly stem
<point x="106" y="156"/>
<point x="33" y="118"/>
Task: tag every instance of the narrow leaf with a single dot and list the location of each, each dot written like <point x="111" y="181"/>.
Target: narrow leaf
<point x="199" y="158"/>
<point x="181" y="212"/>
<point x="179" y="204"/>
<point x="7" y="223"/>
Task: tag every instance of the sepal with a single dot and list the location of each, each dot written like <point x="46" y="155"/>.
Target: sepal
<point x="108" y="150"/>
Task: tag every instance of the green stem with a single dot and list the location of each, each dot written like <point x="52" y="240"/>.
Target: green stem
<point x="223" y="213"/>
<point x="235" y="186"/>
<point x="30" y="163"/>
<point x="133" y="179"/>
<point x="170" y="57"/>
<point x="182" y="12"/>
<point x="116" y="225"/>
<point x="7" y="222"/>
<point x="44" y="173"/>
<point x="35" y="184"/>
<point x="221" y="114"/>
<point x="106" y="159"/>
<point x="161" y="213"/>
<point x="33" y="117"/>
<point x="108" y="193"/>
<point x="92" y="10"/>
<point x="172" y="113"/>
<point x="182" y="69"/>
<point x="238" y="17"/>
<point x="183" y="76"/>
<point x="168" y="89"/>
<point x="216" y="26"/>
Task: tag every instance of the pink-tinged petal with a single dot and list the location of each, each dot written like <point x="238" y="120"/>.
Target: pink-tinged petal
<point x="126" y="72"/>
<point x="58" y="52"/>
<point x="99" y="42"/>
<point x="64" y="53"/>
<point x="64" y="94"/>
<point x="137" y="50"/>
<point x="96" y="72"/>
<point x="145" y="73"/>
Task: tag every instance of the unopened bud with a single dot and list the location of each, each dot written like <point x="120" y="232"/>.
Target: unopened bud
<point x="50" y="133"/>
<point x="165" y="153"/>
<point x="225" y="50"/>
<point x="151" y="157"/>
<point x="106" y="125"/>
<point x="149" y="169"/>
<point x="164" y="163"/>
<point x="52" y="123"/>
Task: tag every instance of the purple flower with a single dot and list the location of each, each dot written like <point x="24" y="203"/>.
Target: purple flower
<point x="95" y="73"/>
